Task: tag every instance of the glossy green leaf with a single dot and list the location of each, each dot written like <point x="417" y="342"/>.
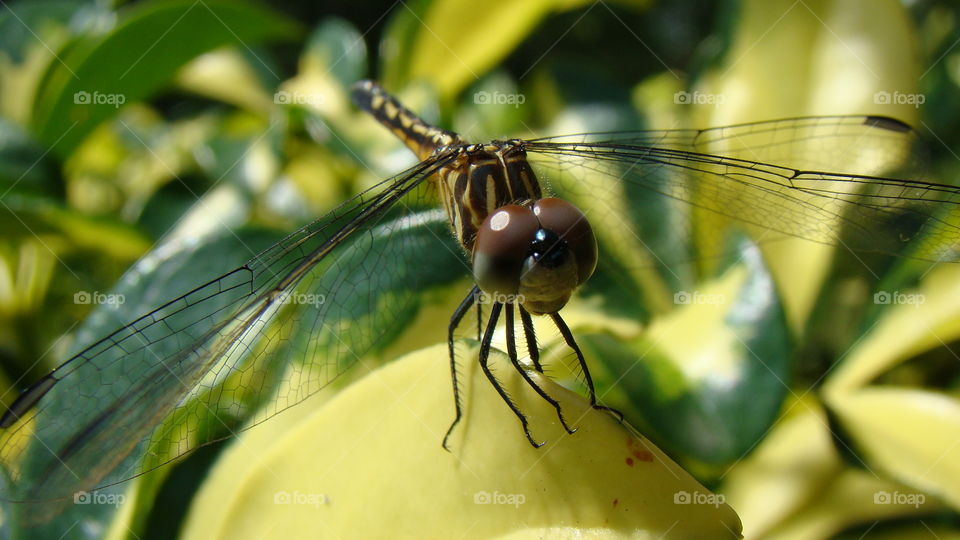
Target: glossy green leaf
<point x="24" y="165"/>
<point x="913" y="321"/>
<point x="813" y="64"/>
<point x="337" y="48"/>
<point x="141" y="55"/>
<point x="22" y="23"/>
<point x="28" y="216"/>
<point x="709" y="377"/>
<point x="907" y="433"/>
<point x="311" y="473"/>
<point x="447" y="42"/>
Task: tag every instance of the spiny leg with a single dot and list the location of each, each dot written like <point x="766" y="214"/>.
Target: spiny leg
<point x="455" y="319"/>
<point x="485" y="356"/>
<point x="572" y="343"/>
<point x="512" y="353"/>
<point x="477" y="293"/>
<point x="531" y="338"/>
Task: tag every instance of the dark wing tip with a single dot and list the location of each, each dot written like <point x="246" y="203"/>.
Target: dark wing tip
<point x="886" y="122"/>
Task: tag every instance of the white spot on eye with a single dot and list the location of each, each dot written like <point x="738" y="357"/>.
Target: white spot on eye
<point x="500" y="220"/>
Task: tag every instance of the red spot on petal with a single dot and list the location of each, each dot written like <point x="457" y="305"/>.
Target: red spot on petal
<point x="643" y="455"/>
<point x="630" y="462"/>
<point x="616" y="502"/>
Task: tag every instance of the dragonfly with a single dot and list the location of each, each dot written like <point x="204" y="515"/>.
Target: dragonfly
<point x="236" y="350"/>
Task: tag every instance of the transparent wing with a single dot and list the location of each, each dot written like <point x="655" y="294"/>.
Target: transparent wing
<point x="778" y="193"/>
<point x="864" y="145"/>
<point x="261" y="338"/>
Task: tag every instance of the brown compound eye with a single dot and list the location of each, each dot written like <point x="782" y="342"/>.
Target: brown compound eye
<point x="502" y="244"/>
<point x="569" y="223"/>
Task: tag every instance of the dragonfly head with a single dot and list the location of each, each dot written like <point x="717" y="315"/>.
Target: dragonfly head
<point x="535" y="255"/>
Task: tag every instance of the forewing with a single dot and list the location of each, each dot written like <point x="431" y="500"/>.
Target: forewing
<point x="235" y="351"/>
<point x="778" y="193"/>
<point x="863" y="145"/>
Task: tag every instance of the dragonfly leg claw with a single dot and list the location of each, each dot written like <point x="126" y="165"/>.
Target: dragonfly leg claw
<point x="446" y="438"/>
<point x="611" y="410"/>
<point x="526" y="431"/>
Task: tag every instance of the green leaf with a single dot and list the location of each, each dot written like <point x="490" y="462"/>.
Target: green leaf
<point x="138" y="58"/>
<point x="337" y="48"/>
<point x="311" y="472"/>
<point x="710" y="376"/>
<point x="27" y="216"/>
<point x="24" y="165"/>
<point x="20" y="23"/>
<point x="809" y="68"/>
<point x="447" y="42"/>
<point x="908" y="433"/>
<point x="914" y="320"/>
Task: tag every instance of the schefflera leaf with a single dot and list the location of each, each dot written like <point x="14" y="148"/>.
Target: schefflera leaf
<point x="809" y="66"/>
<point x="792" y="485"/>
<point x="708" y="377"/>
<point x="369" y="463"/>
<point x="908" y="433"/>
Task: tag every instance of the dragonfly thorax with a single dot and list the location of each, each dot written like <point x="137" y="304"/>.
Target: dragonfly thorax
<point x="535" y="254"/>
<point x="481" y="179"/>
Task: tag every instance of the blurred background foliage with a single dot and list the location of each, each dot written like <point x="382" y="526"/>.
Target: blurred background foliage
<point x="235" y="128"/>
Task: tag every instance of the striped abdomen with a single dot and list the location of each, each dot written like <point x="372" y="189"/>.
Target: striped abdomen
<point x="419" y="136"/>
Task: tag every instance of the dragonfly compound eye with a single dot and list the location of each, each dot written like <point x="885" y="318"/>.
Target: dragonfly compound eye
<point x="563" y="254"/>
<point x="568" y="222"/>
<point x="536" y="256"/>
<point x="502" y="245"/>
